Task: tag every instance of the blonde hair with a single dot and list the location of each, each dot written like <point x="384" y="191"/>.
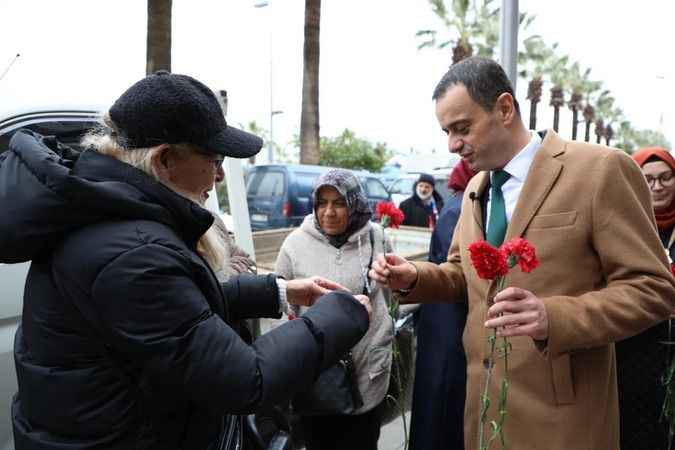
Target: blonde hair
<point x="213" y="245"/>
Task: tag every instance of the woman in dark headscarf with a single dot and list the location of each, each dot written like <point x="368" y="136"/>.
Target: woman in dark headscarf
<point x="437" y="419"/>
<point x="642" y="359"/>
<point x="339" y="239"/>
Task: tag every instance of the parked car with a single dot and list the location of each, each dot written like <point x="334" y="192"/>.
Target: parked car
<point x="280" y="195"/>
<point x="390" y="173"/>
<point x="402" y="187"/>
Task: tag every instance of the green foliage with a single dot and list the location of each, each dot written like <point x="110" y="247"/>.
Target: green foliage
<point x="350" y="152"/>
<point x="630" y="139"/>
<point x="281" y="154"/>
<point x="223" y="200"/>
<point x="472" y="24"/>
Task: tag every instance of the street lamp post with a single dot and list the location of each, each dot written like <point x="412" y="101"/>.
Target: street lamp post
<point x="270" y="143"/>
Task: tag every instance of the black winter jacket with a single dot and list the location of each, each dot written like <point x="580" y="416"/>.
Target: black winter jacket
<point x="416" y="214"/>
<point x="124" y="341"/>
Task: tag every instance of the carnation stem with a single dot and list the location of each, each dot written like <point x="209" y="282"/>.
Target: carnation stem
<point x="498" y="426"/>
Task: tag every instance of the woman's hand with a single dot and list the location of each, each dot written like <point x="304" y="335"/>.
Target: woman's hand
<point x="365" y="301"/>
<point x="305" y="291"/>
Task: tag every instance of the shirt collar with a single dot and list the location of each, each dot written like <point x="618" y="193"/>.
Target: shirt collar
<point x="520" y="164"/>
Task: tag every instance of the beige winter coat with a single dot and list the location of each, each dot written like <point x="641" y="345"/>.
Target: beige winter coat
<point x="306" y="252"/>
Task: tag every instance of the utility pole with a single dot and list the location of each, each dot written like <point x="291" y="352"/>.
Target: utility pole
<point x="508" y="39"/>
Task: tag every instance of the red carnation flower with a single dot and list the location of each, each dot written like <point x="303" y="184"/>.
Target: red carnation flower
<point x="672" y="269"/>
<point x="489" y="261"/>
<point x="389" y="214"/>
<point x="520" y="251"/>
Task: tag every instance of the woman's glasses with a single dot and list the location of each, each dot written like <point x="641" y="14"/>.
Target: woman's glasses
<point x="665" y="178"/>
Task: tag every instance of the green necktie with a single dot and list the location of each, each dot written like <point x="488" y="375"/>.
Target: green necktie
<point x="497" y="222"/>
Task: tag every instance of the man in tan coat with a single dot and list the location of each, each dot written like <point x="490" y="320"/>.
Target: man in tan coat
<point x="603" y="273"/>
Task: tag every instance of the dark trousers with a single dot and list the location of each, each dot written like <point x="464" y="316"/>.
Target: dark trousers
<point x="360" y="432"/>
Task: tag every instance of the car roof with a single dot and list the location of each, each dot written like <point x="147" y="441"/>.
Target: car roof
<point x="10" y="119"/>
<point x="309" y="168"/>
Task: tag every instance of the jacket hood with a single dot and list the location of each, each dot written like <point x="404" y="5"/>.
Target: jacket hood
<point x="48" y="190"/>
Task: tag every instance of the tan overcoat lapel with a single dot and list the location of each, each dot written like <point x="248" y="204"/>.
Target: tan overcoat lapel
<point x="543" y="174"/>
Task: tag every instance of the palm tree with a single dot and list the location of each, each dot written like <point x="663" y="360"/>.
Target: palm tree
<point x="558" y="72"/>
<point x="604" y="113"/>
<point x="473" y="27"/>
<point x="609" y="133"/>
<point x="159" y="36"/>
<point x="309" y="122"/>
<point x="599" y="130"/>
<point x="589" y="116"/>
<point x="534" y="91"/>
<point x="534" y="60"/>
<point x="458" y="21"/>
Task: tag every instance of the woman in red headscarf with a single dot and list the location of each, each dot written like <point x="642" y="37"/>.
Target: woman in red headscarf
<point x="643" y="359"/>
<point x="658" y="167"/>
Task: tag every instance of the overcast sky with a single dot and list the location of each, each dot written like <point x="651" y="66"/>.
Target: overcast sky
<point x="373" y="79"/>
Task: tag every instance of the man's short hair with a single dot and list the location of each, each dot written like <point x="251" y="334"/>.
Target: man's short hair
<point x="484" y="79"/>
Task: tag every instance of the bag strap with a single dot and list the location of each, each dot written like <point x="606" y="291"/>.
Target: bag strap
<point x="371" y="235"/>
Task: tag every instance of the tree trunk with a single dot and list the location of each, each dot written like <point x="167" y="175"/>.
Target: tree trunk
<point x="309" y="122"/>
<point x="599" y="130"/>
<point x="557" y="100"/>
<point x="575" y="123"/>
<point x="589" y="117"/>
<point x="574" y="103"/>
<point x="159" y="36"/>
<point x="533" y="115"/>
<point x="534" y="90"/>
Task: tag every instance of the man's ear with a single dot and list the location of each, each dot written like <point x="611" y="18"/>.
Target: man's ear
<point x="161" y="161"/>
<point x="506" y="108"/>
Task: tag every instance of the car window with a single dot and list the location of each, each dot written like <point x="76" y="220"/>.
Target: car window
<point x="375" y="188"/>
<point x="305" y="183"/>
<point x="402" y="186"/>
<point x="67" y="132"/>
<point x="265" y="183"/>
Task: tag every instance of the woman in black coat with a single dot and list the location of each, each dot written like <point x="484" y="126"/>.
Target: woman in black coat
<point x="126" y="338"/>
<point x="642" y="360"/>
<point x="422" y="209"/>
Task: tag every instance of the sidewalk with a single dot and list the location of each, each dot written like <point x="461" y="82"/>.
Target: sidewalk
<point x="392" y="436"/>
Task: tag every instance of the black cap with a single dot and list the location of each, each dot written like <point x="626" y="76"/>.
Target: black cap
<point x="166" y="108"/>
<point x="426" y="178"/>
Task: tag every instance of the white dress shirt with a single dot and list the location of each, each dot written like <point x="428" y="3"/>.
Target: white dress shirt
<point x="518" y="168"/>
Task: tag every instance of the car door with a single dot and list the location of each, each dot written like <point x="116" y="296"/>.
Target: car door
<point x="266" y="189"/>
<point x="375" y="191"/>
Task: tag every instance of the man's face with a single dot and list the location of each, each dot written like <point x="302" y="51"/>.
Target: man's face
<point x="473" y="133"/>
<point x="424" y="189"/>
<point x="193" y="173"/>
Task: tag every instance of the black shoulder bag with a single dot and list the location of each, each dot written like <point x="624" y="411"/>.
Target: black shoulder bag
<point x="335" y="391"/>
